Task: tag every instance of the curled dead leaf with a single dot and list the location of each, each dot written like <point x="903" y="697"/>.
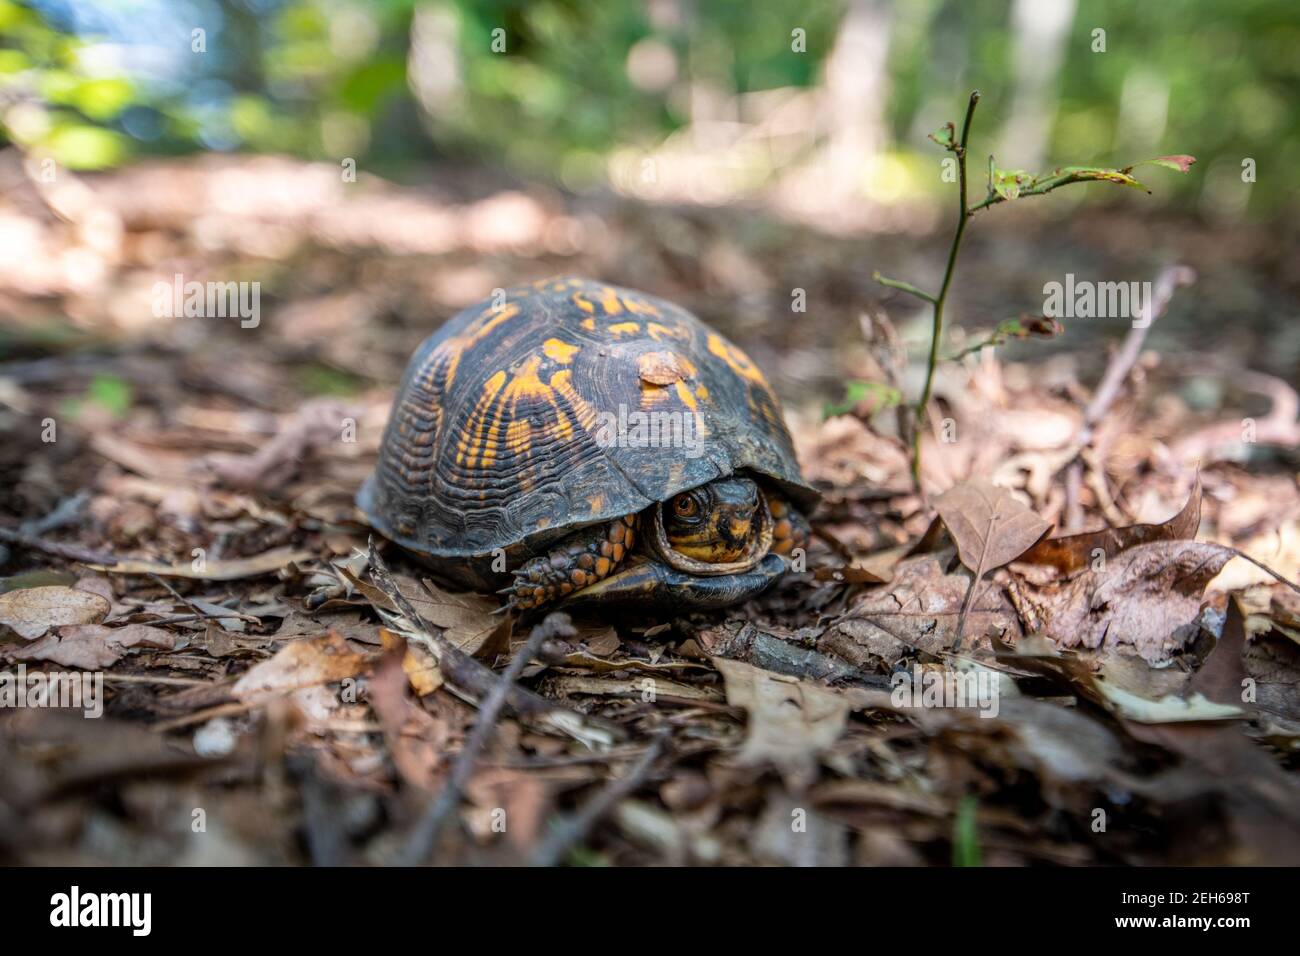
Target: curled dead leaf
<point x="1147" y="597"/>
<point x="1077" y="551"/>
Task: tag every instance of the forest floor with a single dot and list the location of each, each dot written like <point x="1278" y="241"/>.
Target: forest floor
<point x="176" y="515"/>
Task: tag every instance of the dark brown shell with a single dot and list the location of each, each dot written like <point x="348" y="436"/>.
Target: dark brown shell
<point x="499" y="435"/>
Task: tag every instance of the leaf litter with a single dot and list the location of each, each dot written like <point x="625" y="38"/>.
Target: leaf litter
<point x="255" y="651"/>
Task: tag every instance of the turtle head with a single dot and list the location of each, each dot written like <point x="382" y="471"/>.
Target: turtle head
<point x="718" y="528"/>
<point x="714" y="522"/>
<point x="707" y="547"/>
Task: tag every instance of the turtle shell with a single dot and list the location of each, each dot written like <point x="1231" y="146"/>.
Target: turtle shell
<point x="514" y="423"/>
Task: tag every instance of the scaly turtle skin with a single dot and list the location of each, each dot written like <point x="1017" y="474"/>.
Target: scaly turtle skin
<point x="574" y="441"/>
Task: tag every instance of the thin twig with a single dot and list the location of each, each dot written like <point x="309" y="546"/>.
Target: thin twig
<point x="203" y="615"/>
<point x="472" y="681"/>
<point x="1167" y="282"/>
<point x="1264" y="567"/>
<point x="903" y="287"/>
<point x="567" y="833"/>
<point x="65" y="513"/>
<point x="959" y="148"/>
<point x="1117" y="372"/>
<point x="68" y="552"/>
<point x="424" y="837"/>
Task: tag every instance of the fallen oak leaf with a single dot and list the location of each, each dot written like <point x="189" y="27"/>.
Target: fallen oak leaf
<point x="1041" y="656"/>
<point x="468" y="620"/>
<point x="1148" y="596"/>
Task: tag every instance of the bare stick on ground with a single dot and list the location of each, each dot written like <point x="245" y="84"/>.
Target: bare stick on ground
<point x="424" y="837"/>
<point x="569" y="832"/>
<point x="473" y="681"/>
<point x="68" y="552"/>
<point x="1167" y="282"/>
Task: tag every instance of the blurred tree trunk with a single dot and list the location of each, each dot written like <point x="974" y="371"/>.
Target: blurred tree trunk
<point x="857" y="88"/>
<point x="1040" y="30"/>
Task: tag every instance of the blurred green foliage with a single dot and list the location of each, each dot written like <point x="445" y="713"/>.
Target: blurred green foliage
<point x="393" y="82"/>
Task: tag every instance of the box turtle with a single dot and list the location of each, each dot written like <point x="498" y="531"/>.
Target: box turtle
<point x="583" y="443"/>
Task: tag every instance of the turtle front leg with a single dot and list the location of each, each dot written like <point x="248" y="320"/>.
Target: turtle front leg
<point x="790" y="529"/>
<point x="580" y="560"/>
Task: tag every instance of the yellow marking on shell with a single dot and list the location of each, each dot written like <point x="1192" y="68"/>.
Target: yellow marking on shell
<point x="596" y="502"/>
<point x="581" y="302"/>
<point x="467" y="449"/>
<point x="526" y="383"/>
<point x="640" y="308"/>
<point x="659" y="332"/>
<point x="562" y="382"/>
<point x="619" y="328"/>
<point x="684" y="393"/>
<point x="524" y="380"/>
<point x="652" y="394"/>
<point x="519" y="436"/>
<point x="589" y="324"/>
<point x="488" y="320"/>
<point x="610" y="302"/>
<point x="560" y="351"/>
<point x="736" y="359"/>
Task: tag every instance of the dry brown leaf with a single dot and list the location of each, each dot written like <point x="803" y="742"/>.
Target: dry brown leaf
<point x="991" y="527"/>
<point x="301" y="664"/>
<point x="230" y="570"/>
<point x="849" y="574"/>
<point x="1147" y="597"/>
<point x="790" y="721"/>
<point x="568" y="684"/>
<point x="467" y="619"/>
<point x="1077" y="551"/>
<point x="919" y="610"/>
<point x="417" y="663"/>
<point x="95" y="646"/>
<point x="30" y="612"/>
<point x="416" y="739"/>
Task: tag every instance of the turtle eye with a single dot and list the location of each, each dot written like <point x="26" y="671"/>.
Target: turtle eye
<point x="685" y="506"/>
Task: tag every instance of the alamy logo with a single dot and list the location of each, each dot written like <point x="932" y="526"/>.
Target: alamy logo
<point x="103" y="909"/>
<point x="208" y="300"/>
<point x="946" y="688"/>
<point x="81" y="690"/>
<point x="1084" y="299"/>
<point x="633" y="428"/>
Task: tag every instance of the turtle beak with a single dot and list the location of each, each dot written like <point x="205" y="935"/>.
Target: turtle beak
<point x="736" y="528"/>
